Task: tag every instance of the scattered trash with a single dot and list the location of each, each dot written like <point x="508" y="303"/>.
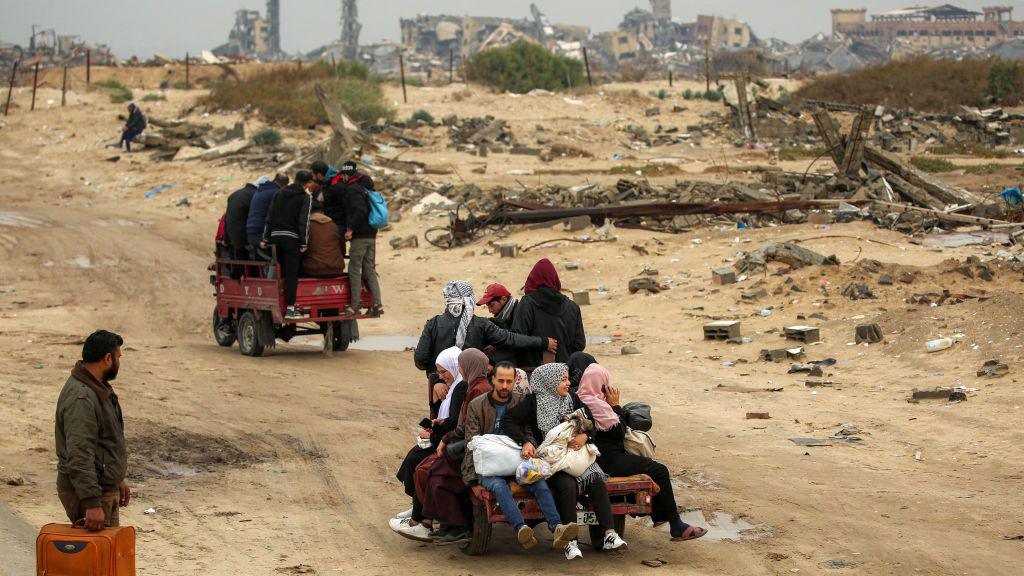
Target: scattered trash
<point x="149" y="511"/>
<point x="630" y="349"/>
<point x="993" y="368"/>
<point x="943" y="343"/>
<point x="758" y="416"/>
<point x="949" y="394"/>
<point x="835" y="564"/>
<point x="810" y="442"/>
<point x="183" y="202"/>
<point x="918" y="456"/>
<point x="158" y="190"/>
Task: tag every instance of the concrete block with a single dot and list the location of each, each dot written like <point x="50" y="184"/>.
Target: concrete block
<point x="722" y="330"/>
<point x="581" y="298"/>
<point x="805" y="334"/>
<point x="722" y="276"/>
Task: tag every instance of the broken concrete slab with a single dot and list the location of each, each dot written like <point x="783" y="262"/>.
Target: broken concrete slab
<point x="232" y="147"/>
<point x="870" y="333"/>
<point x="787" y="253"/>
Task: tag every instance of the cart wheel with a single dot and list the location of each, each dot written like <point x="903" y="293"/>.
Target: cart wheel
<point x="597" y="534"/>
<point x="341" y="341"/>
<point x="250" y="343"/>
<point x="223" y="333"/>
<point x="477" y="546"/>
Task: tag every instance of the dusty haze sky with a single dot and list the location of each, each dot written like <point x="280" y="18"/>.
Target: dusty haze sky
<point x="172" y="27"/>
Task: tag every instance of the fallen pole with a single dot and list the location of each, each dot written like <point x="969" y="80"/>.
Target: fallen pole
<point x="664" y="209"/>
<point x="948" y="217"/>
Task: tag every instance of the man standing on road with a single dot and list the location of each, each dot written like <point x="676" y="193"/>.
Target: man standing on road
<point x="362" y="249"/>
<point x="92" y="459"/>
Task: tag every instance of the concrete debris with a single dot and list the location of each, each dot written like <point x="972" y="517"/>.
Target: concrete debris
<point x="411" y="241"/>
<point x="793" y="255"/>
<point x="869" y="333"/>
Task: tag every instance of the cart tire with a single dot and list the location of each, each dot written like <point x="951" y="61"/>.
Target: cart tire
<point x="250" y="341"/>
<point x="223" y="332"/>
<point x="340" y="342"/>
<point x="597" y="535"/>
<point x="477" y="546"/>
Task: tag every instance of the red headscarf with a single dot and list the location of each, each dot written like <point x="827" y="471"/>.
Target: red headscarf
<point x="543" y="274"/>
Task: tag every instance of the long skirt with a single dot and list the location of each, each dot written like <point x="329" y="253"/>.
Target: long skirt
<point x="446" y="495"/>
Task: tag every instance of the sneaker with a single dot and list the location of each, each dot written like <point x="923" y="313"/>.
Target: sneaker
<point x="454" y="536"/>
<point x="564" y="534"/>
<point x="404" y="514"/>
<point x="572" y="550"/>
<point x="526" y="537"/>
<point x="406" y="529"/>
<point x="613" y="542"/>
<point x="291" y="313"/>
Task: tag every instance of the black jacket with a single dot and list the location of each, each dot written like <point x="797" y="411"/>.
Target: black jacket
<point x="507" y="323"/>
<point x="288" y="215"/>
<point x="136" y="121"/>
<point x="363" y="180"/>
<point x="612" y="440"/>
<point x="357" y="212"/>
<point x="238" y="215"/>
<point x="334" y="203"/>
<point x="439" y="334"/>
<point x="438" y="432"/>
<point x="520" y="422"/>
<point x="546" y="312"/>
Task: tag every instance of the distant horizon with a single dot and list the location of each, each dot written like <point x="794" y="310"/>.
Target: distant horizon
<point x="146" y="27"/>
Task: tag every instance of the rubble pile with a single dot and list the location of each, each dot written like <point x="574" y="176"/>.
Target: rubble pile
<point x="472" y="134"/>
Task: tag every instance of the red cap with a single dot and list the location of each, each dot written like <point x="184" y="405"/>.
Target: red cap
<point x="493" y="292"/>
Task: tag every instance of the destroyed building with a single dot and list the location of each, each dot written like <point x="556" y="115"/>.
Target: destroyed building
<point x="439" y="36"/>
<point x="254" y="36"/>
<point x="52" y="49"/>
<point x="930" y="26"/>
<point x="350" y="28"/>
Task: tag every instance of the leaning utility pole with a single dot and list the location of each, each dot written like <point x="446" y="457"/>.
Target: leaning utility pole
<point x="350" y="28"/>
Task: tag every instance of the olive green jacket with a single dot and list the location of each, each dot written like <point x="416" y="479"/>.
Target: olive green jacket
<point x="92" y="458"/>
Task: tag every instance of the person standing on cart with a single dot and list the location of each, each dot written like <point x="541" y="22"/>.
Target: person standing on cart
<point x="287" y="228"/>
<point x="362" y="250"/>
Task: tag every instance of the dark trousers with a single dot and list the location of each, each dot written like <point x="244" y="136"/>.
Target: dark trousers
<point x="565" y="489"/>
<point x="407" y="476"/>
<point x="126" y="138"/>
<point x="238" y="254"/>
<point x="289" y="257"/>
<point x="626" y="464"/>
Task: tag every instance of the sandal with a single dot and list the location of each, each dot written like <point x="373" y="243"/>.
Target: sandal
<point x="691" y="533"/>
<point x="375" y="310"/>
<point x="348" y="311"/>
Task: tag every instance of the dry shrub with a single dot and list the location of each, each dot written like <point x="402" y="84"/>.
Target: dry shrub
<point x="922" y="83"/>
<point x="284" y="95"/>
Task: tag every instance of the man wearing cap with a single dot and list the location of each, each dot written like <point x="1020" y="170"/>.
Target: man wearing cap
<point x="502" y="306"/>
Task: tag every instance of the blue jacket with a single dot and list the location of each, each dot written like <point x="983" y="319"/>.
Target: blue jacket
<point x="258" y="212"/>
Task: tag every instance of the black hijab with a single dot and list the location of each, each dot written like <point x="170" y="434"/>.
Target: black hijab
<point x="578" y="362"/>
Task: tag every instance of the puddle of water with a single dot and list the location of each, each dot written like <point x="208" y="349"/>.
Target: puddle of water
<point x="724" y="526"/>
<point x="400" y="343"/>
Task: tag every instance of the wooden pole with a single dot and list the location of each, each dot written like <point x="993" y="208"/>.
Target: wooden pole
<point x="298" y="63"/>
<point x="188" y="73"/>
<point x="451" y="65"/>
<point x="64" y="89"/>
<point x="10" y="90"/>
<point x="35" y="84"/>
<point x="334" y="66"/>
<point x="707" y="63"/>
<point x="401" y="69"/>
<point x="586" y="62"/>
<point x="88" y="67"/>
<point x="670" y="78"/>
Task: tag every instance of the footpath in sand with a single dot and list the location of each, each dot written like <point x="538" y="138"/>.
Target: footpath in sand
<point x="285" y="464"/>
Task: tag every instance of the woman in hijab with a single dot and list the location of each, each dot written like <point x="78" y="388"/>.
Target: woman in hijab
<point x="458" y="326"/>
<point x="530" y="421"/>
<point x="598" y="394"/>
<point x="578" y="363"/>
<point x="439" y="480"/>
<point x="545" y="312"/>
<point x="415" y="525"/>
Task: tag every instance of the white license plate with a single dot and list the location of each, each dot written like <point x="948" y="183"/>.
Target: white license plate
<point x="586" y="518"/>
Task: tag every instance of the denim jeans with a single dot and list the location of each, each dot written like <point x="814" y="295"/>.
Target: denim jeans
<point x="499" y="487"/>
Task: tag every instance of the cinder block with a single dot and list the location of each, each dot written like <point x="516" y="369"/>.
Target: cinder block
<point x="805" y="334"/>
<point x="581" y="298"/>
<point x="722" y="330"/>
<point x="722" y="276"/>
<point x="508" y="250"/>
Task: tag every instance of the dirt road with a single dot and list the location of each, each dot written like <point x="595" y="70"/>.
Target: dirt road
<point x="271" y="465"/>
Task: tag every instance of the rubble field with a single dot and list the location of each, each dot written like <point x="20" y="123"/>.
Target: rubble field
<point x="801" y="449"/>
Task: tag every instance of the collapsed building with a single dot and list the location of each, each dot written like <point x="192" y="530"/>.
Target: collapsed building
<point x="254" y="36"/>
<point x="53" y="49"/>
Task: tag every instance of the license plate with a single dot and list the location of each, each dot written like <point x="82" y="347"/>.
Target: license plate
<point x="586" y="518"/>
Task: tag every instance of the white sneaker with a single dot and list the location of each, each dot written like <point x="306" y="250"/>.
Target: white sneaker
<point x="404" y="514"/>
<point x="572" y="551"/>
<point x="613" y="542"/>
<point x="406" y="529"/>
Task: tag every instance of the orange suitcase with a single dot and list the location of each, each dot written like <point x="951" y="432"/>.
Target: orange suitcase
<point x="64" y="550"/>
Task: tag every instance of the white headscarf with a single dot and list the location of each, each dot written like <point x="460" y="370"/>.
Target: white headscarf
<point x="449" y="360"/>
<point x="460" y="302"/>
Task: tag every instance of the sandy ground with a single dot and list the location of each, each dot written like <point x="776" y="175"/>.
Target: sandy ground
<point x="262" y="466"/>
